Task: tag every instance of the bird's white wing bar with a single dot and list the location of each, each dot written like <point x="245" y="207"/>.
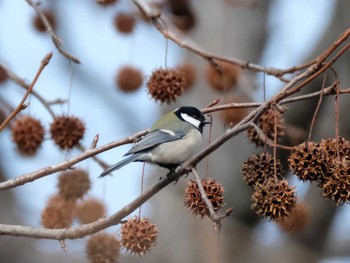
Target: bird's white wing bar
<point x="155" y="138"/>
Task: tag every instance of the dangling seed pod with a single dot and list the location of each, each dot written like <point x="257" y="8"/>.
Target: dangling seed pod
<point x="74" y="184"/>
<point x="259" y="168"/>
<point x="28" y="134"/>
<point x="306" y="162"/>
<point x="129" y="79"/>
<point x="267" y="124"/>
<point x="225" y="81"/>
<point x="165" y="85"/>
<point x="58" y="213"/>
<point x="106" y="2"/>
<point x="274" y="199"/>
<point x="90" y="210"/>
<point x="3" y="75"/>
<point x="183" y="16"/>
<point x="39" y="24"/>
<point x="103" y="248"/>
<point x="337" y="186"/>
<point x="139" y="235"/>
<point x="67" y="131"/>
<point x="124" y="23"/>
<point x="189" y="73"/>
<point x="194" y="201"/>
<point x="297" y="221"/>
<point x="233" y="116"/>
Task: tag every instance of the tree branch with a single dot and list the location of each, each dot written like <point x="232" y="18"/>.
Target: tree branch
<point x="55" y="39"/>
<point x="20" y="106"/>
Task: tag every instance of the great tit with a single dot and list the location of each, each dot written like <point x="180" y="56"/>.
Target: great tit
<point x="171" y="140"/>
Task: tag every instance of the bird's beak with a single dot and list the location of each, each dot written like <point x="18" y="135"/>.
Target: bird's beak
<point x="208" y="120"/>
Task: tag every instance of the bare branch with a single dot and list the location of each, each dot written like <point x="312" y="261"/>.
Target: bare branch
<point x="55" y="39"/>
<point x="20" y="106"/>
<point x="11" y="183"/>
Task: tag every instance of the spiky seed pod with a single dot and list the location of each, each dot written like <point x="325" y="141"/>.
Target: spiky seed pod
<point x="267" y="124"/>
<point x="165" y="85"/>
<point x="28" y="134"/>
<point x="194" y="201"/>
<point x="306" y="161"/>
<point x="58" y="213"/>
<point x="39" y="24"/>
<point x="3" y="75"/>
<point x="274" y="199"/>
<point x="259" y="168"/>
<point x="124" y="23"/>
<point x="183" y="16"/>
<point x="106" y="2"/>
<point x="139" y="235"/>
<point x="224" y="80"/>
<point x="74" y="184"/>
<point x="190" y="75"/>
<point x="90" y="210"/>
<point x="335" y="152"/>
<point x="337" y="186"/>
<point x="129" y="79"/>
<point x="233" y="116"/>
<point x="331" y="146"/>
<point x="67" y="131"/>
<point x="297" y="221"/>
<point x="185" y="22"/>
<point x="103" y="248"/>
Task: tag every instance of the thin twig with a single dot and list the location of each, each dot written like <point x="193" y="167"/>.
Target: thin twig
<point x="317" y="107"/>
<point x="43" y="64"/>
<point x="212" y="213"/>
<point x="22" y="83"/>
<point x="55" y="39"/>
<point x="30" y="177"/>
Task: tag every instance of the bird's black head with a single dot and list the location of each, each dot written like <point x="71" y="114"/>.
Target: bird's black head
<point x="193" y="116"/>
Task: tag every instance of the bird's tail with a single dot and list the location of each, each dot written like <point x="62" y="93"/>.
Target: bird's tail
<point x="120" y="164"/>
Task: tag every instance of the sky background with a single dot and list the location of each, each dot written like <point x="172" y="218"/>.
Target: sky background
<point x="295" y="26"/>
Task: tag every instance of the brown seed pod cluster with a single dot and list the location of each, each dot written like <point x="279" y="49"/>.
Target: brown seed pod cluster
<point x="39" y="24"/>
<point x="165" y="85"/>
<point x="223" y="78"/>
<point x="67" y="131"/>
<point x="327" y="163"/>
<point x="193" y="199"/>
<point x="266" y="123"/>
<point x="297" y="221"/>
<point x="28" y="134"/>
<point x="139" y="235"/>
<point x="129" y="79"/>
<point x="274" y="199"/>
<point x="259" y="168"/>
<point x="190" y="75"/>
<point x="124" y="23"/>
<point x="90" y="210"/>
<point x="58" y="213"/>
<point x="74" y="184"/>
<point x="103" y="248"/>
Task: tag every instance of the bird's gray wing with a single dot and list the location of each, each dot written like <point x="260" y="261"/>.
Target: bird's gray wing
<point x="155" y="138"/>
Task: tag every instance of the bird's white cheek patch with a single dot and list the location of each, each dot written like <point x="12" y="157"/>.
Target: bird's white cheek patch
<point x="191" y="120"/>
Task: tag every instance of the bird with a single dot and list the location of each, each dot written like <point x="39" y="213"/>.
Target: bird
<point x="170" y="141"/>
